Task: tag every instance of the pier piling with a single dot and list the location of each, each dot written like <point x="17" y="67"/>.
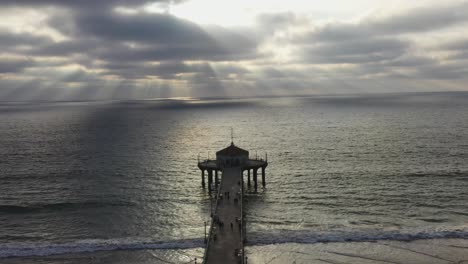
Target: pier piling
<point x="255" y="179"/>
<point x="263" y="177"/>
<point x="203" y="178"/>
<point x="210" y="179"/>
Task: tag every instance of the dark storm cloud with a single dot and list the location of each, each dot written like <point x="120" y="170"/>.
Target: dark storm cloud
<point x="103" y="34"/>
<point x="65" y="48"/>
<point x="112" y="36"/>
<point x="12" y="40"/>
<point x="164" y="37"/>
<point x="147" y="28"/>
<point x="177" y="51"/>
<point x="14" y="65"/>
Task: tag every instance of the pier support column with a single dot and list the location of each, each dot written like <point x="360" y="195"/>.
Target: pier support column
<point x="210" y="179"/>
<point x="263" y="176"/>
<point x="248" y="177"/>
<point x="255" y="178"/>
<point x="216" y="178"/>
<point x="203" y="178"/>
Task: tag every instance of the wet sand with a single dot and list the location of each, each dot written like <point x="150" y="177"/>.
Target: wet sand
<point x="433" y="251"/>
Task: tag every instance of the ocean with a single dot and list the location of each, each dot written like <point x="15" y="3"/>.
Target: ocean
<point x="117" y="181"/>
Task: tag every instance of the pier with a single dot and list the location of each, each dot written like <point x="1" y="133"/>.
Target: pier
<point x="225" y="242"/>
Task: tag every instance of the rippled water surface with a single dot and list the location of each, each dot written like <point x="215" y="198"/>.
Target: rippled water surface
<point x="123" y="174"/>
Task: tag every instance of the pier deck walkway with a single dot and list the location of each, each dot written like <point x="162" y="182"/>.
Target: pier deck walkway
<point x="222" y="248"/>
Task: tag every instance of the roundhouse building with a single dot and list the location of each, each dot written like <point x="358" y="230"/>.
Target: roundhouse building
<point x="232" y="156"/>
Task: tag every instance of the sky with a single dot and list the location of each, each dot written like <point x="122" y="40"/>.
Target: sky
<point x="146" y="49"/>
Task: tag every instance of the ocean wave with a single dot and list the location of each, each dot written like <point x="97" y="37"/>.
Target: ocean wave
<point x="38" y="249"/>
<point x="41" y="249"/>
<point x="313" y="237"/>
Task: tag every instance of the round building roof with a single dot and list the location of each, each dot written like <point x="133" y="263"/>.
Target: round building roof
<point x="232" y="150"/>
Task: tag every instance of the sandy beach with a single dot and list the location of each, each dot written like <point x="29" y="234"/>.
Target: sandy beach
<point x="433" y="251"/>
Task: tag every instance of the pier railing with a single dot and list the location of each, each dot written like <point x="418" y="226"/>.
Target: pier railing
<point x="212" y="213"/>
<point x="242" y="218"/>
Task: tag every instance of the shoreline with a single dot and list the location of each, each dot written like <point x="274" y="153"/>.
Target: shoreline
<point x="424" y="251"/>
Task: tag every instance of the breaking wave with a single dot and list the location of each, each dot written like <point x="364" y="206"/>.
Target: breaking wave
<point x="92" y="245"/>
<point x="29" y="249"/>
<point x="312" y="237"/>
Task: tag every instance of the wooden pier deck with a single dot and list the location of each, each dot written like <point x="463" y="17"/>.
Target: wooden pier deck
<point x="225" y="244"/>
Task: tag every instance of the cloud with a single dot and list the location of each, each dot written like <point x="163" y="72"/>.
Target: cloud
<point x="355" y="51"/>
<point x="272" y="22"/>
<point x="388" y="45"/>
<point x="87" y="4"/>
<point x="65" y="48"/>
<point x="12" y="40"/>
<point x="99" y="50"/>
<point x="456" y="45"/>
<point x="112" y="36"/>
<point x="14" y="65"/>
<point x="451" y="71"/>
<point x="421" y="19"/>
<point x="417" y="20"/>
<point x="165" y="70"/>
<point x="146" y="28"/>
